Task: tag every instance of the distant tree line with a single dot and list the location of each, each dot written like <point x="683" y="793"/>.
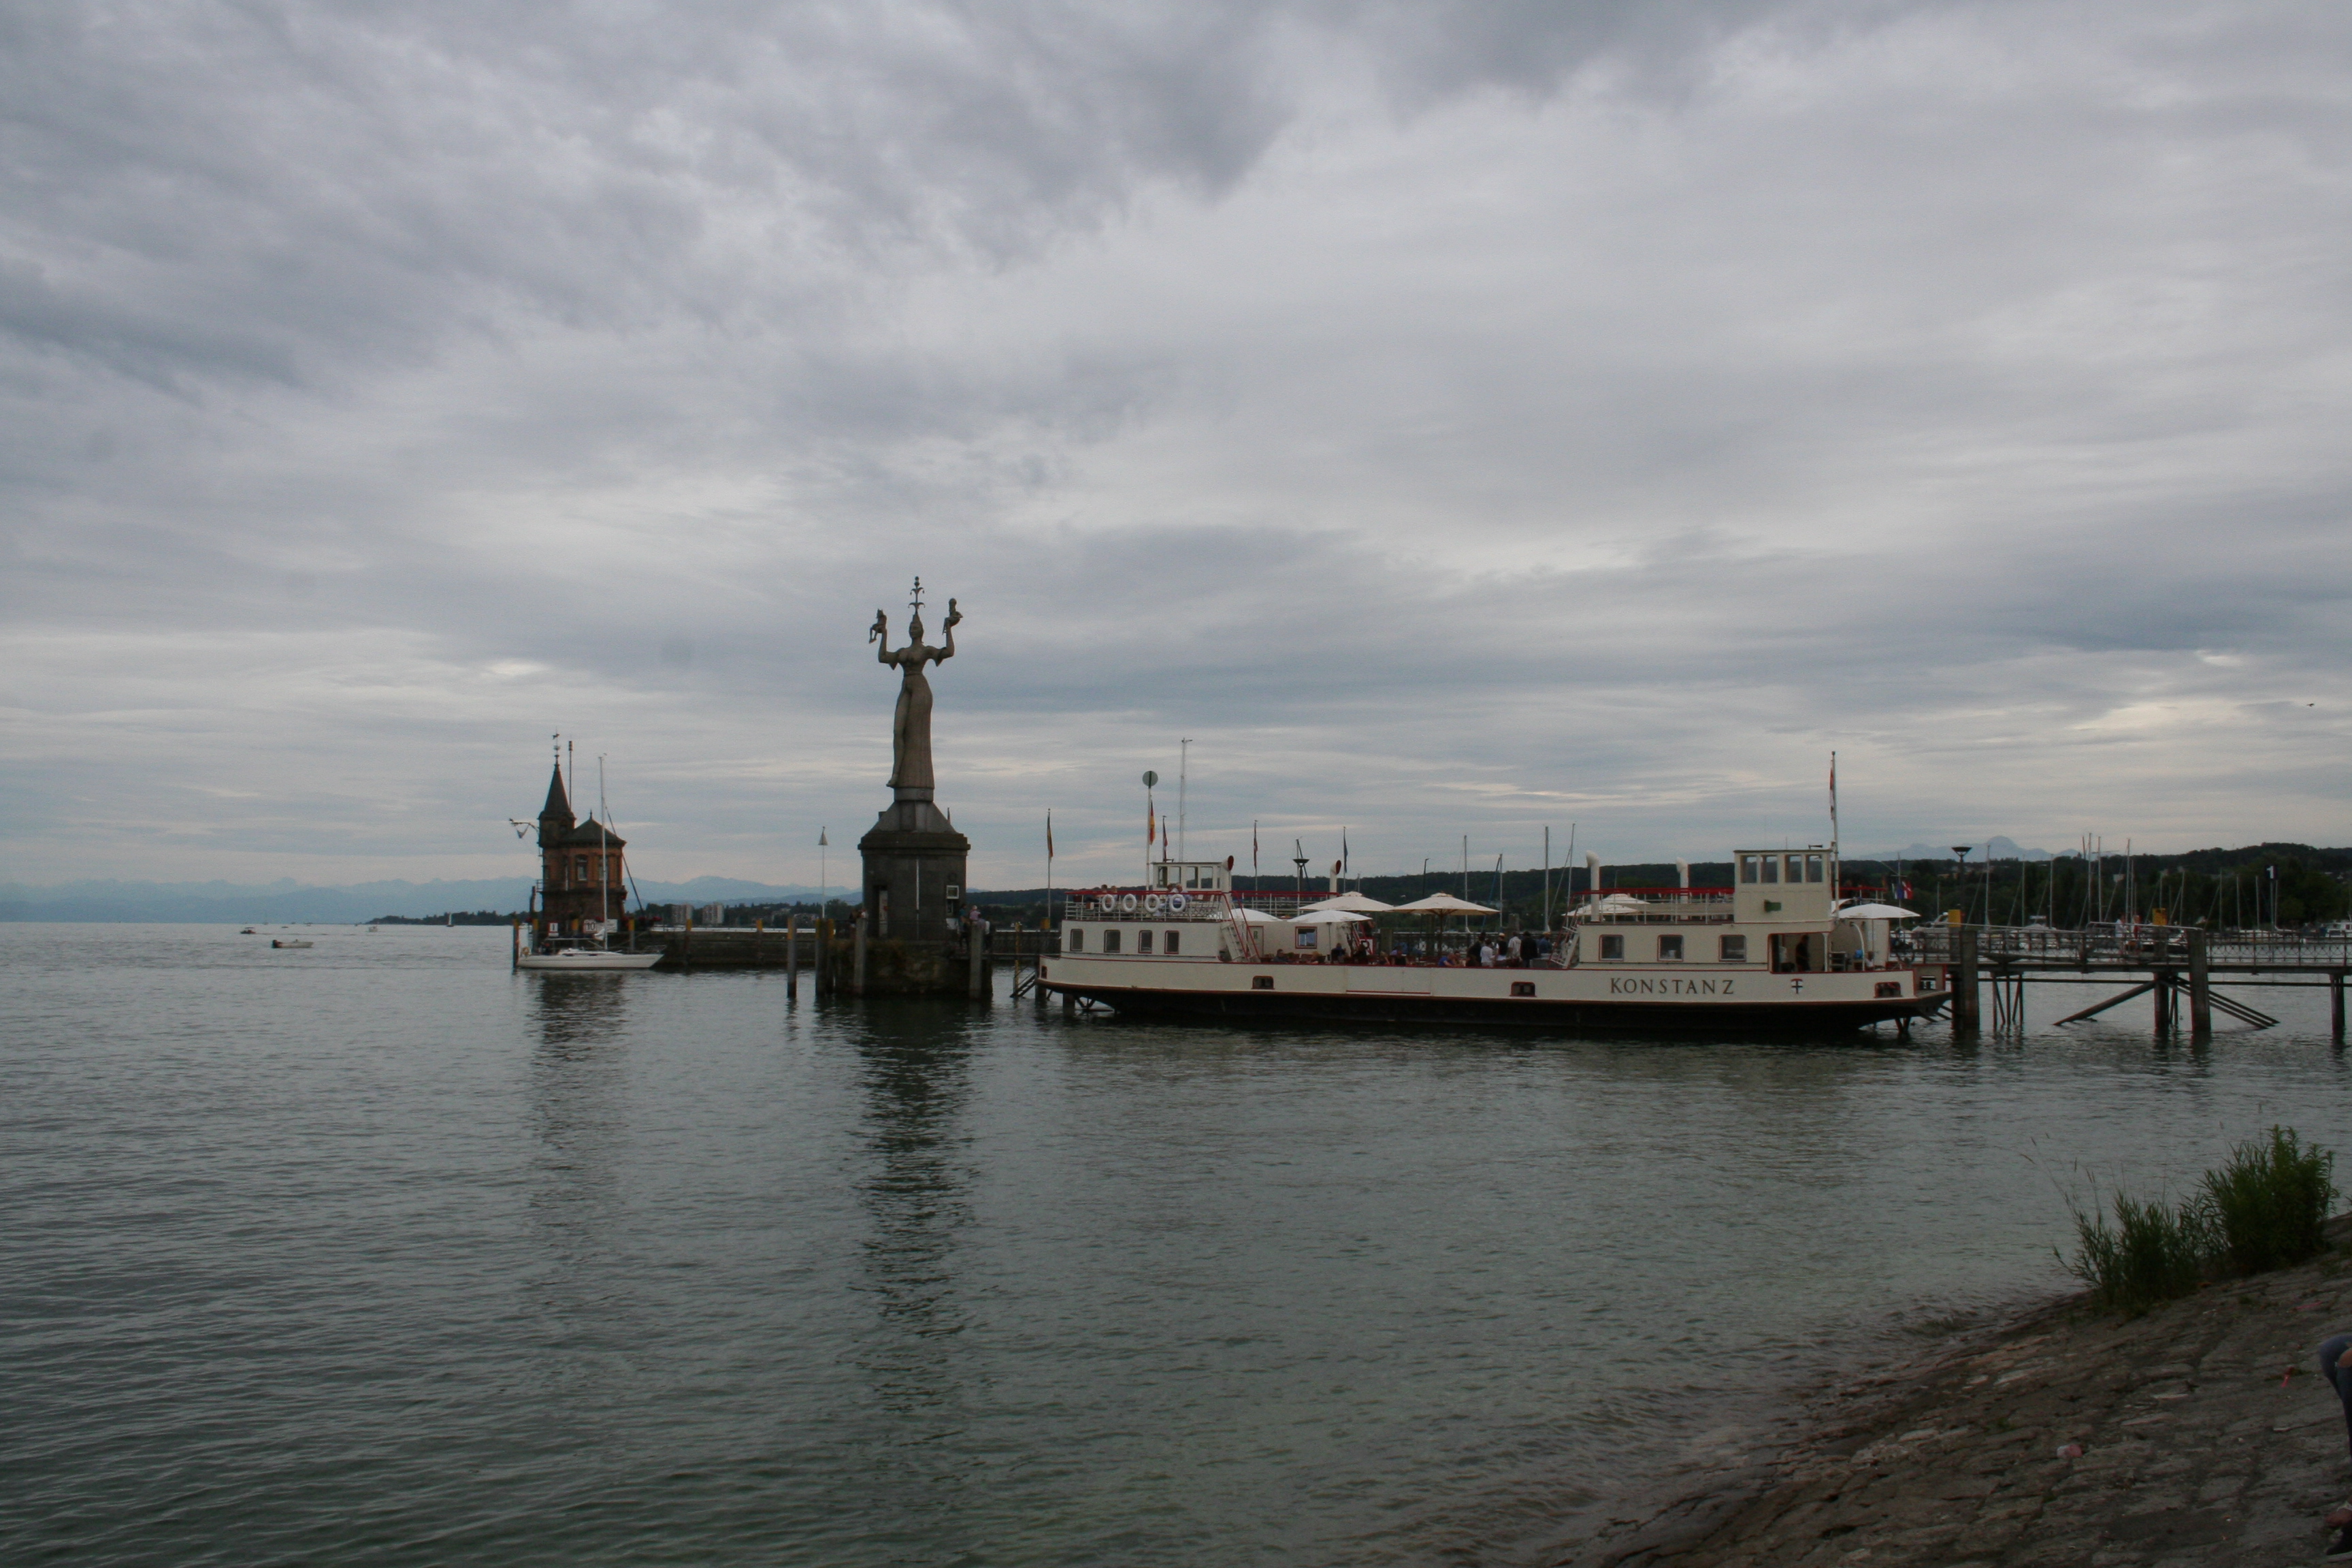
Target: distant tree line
<point x="453" y="917"/>
<point x="2291" y="884"/>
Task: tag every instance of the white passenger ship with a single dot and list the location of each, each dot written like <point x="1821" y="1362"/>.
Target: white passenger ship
<point x="1774" y="953"/>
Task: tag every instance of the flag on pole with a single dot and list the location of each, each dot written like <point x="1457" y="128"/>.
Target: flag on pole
<point x="1343" y="851"/>
<point x="821" y="841"/>
<point x="1150" y="826"/>
<point x="1253" y="851"/>
<point x="1049" y="835"/>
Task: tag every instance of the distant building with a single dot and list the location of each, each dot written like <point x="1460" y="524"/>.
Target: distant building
<point x="712" y="915"/>
<point x="582" y="878"/>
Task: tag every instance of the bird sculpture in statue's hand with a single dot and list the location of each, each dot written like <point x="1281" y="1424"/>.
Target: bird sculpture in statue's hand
<point x="880" y="628"/>
<point x="954" y="616"/>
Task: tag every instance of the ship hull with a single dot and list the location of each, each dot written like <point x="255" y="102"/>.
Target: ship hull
<point x="1563" y="1001"/>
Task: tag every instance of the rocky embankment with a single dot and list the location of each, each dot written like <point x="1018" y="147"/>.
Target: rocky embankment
<point x="2201" y="1434"/>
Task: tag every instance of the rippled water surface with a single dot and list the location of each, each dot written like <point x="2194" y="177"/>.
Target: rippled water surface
<point x="379" y="1253"/>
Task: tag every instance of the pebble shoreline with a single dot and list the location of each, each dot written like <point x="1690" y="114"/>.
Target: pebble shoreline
<point x="2201" y="1434"/>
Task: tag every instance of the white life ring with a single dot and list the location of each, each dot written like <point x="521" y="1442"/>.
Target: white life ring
<point x="1107" y="903"/>
<point x="1151" y="903"/>
<point x="1176" y="902"/>
<point x="1127" y="903"/>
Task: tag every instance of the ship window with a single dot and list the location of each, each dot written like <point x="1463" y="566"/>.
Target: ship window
<point x="1670" y="950"/>
<point x="1734" y="950"/>
<point x="1612" y="947"/>
<point x="1110" y="940"/>
<point x="1771" y="868"/>
<point x="1747" y="872"/>
<point x="1143" y="942"/>
<point x="1261" y="982"/>
<point x="1813" y="867"/>
<point x="1078" y="935"/>
<point x="1170" y="945"/>
<point x="1523" y="987"/>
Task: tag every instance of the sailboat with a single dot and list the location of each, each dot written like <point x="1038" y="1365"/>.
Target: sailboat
<point x="599" y="958"/>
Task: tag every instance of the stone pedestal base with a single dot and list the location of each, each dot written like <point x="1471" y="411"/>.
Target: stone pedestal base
<point x="914" y="899"/>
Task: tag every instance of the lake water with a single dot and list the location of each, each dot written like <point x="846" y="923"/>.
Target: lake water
<point x="378" y="1253"/>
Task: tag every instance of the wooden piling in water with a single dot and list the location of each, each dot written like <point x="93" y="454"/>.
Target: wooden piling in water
<point x="1966" y="1002"/>
<point x="2200" y="986"/>
<point x="2335" y="1004"/>
<point x="976" y="939"/>
<point x="791" y="958"/>
<point x="857" y="959"/>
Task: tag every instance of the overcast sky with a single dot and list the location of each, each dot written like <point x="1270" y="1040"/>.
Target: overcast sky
<point x="1457" y="418"/>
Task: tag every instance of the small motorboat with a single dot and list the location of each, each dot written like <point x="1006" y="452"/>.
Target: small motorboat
<point x="248" y="931"/>
<point x="585" y="961"/>
<point x="289" y="941"/>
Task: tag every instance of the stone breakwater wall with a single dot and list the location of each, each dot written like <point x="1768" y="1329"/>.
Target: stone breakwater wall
<point x="2201" y="1434"/>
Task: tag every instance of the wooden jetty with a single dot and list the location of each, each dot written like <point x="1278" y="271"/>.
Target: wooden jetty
<point x="2170" y="964"/>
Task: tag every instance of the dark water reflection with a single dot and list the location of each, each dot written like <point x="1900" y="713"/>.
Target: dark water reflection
<point x="380" y="1252"/>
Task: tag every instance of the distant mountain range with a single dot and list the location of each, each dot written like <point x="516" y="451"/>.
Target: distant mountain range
<point x="290" y="903"/>
<point x="1994" y="849"/>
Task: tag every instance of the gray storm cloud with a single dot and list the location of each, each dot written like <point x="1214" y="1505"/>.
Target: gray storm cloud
<point x="1457" y="418"/>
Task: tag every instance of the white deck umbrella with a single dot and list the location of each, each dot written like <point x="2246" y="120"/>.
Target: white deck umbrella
<point x="1249" y="917"/>
<point x="1351" y="900"/>
<point x="1610" y="904"/>
<point x="1443" y="904"/>
<point x="1873" y="912"/>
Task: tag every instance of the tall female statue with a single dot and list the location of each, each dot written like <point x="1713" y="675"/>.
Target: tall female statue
<point x="910" y="726"/>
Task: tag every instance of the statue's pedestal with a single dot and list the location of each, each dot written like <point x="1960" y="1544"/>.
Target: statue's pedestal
<point x="914" y="899"/>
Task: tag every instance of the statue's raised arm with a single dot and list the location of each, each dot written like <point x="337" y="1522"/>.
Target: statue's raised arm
<point x="949" y="625"/>
<point x="881" y="629"/>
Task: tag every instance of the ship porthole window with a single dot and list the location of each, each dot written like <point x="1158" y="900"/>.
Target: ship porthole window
<point x="1143" y="942"/>
<point x="1813" y="867"/>
<point x="1670" y="950"/>
<point x="1110" y="942"/>
<point x="1077" y="939"/>
<point x="1168" y="946"/>
<point x="1734" y="950"/>
<point x="1771" y="868"/>
<point x="1612" y="947"/>
<point x="1747" y="872"/>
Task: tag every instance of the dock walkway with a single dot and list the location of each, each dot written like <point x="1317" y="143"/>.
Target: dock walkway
<point x="2180" y="966"/>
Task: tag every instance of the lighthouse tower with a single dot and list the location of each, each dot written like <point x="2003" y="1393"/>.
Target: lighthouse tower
<point x="582" y="880"/>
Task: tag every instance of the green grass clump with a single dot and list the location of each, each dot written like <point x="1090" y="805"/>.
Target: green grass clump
<point x="2263" y="1209"/>
<point x="2269" y="1201"/>
<point x="2153" y="1253"/>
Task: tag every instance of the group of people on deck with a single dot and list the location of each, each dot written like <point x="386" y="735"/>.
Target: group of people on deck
<point x="1488" y="951"/>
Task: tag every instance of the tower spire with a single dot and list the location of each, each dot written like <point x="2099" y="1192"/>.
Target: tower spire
<point x="555" y="818"/>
